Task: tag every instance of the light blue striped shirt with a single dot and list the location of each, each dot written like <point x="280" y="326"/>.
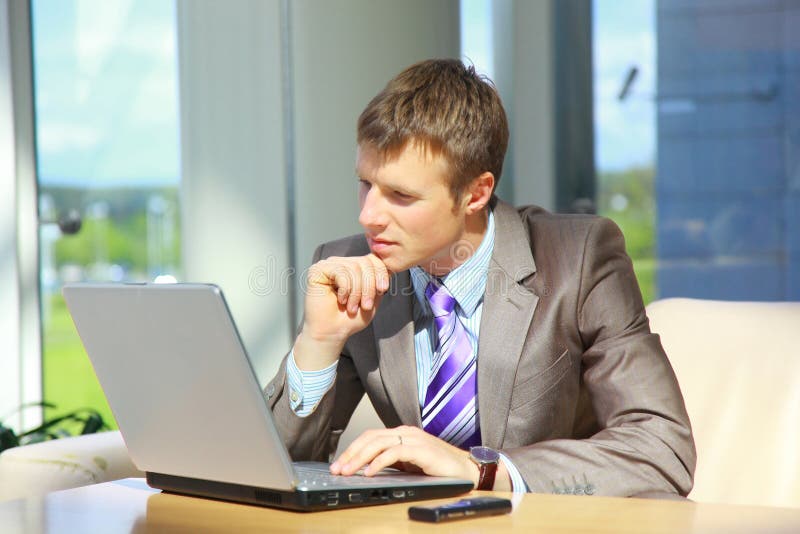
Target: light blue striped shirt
<point x="467" y="283"/>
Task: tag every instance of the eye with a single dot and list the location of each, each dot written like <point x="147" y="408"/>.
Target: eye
<point x="402" y="196"/>
<point x="364" y="185"/>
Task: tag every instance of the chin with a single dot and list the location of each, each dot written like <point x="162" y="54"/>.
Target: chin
<point x="396" y="265"/>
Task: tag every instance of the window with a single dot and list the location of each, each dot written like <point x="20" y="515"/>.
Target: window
<point x="624" y="51"/>
<point x="107" y="161"/>
<point x="697" y="122"/>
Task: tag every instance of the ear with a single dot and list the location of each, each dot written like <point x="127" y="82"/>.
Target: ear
<point x="478" y="192"/>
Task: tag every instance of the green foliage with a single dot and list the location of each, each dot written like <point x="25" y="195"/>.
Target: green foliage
<point x="627" y="197"/>
<point x="67" y="372"/>
<point x="102" y="239"/>
<point x="121" y="237"/>
<point x="86" y="420"/>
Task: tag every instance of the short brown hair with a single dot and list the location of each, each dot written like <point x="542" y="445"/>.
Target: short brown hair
<point x="448" y="108"/>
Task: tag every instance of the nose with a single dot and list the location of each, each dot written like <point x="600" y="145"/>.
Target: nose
<point x="373" y="214"/>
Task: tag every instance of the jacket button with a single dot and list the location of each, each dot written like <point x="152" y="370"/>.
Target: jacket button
<point x="270" y="391"/>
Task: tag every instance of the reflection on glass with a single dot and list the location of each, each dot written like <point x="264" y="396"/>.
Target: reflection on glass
<point x="107" y="147"/>
<point x="697" y="145"/>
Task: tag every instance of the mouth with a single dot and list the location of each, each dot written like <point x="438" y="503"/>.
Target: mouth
<point x="377" y="245"/>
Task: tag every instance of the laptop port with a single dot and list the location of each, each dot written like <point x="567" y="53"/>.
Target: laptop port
<point x="379" y="495"/>
<point x="399" y="494"/>
<point x="355" y="497"/>
<point x="332" y="498"/>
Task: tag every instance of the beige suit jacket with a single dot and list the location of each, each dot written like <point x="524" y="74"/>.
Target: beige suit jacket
<point x="572" y="385"/>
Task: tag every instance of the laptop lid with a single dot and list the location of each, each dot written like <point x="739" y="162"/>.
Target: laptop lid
<point x="177" y="378"/>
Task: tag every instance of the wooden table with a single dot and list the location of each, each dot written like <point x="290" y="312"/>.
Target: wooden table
<point x="130" y="506"/>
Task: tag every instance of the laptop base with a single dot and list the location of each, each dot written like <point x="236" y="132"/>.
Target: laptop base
<point x="301" y="500"/>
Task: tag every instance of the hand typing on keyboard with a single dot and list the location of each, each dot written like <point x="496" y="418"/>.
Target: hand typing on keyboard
<point x="409" y="449"/>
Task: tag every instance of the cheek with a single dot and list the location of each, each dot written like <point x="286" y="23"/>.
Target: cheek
<point x="430" y="231"/>
<point x="421" y="224"/>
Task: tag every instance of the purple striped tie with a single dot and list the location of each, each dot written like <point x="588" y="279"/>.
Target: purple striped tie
<point x="450" y="411"/>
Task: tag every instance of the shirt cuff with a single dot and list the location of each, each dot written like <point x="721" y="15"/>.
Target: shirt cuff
<point x="306" y="388"/>
<point x="517" y="483"/>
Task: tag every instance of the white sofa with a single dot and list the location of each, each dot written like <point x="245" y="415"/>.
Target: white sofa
<point x="738" y="365"/>
<point x="64" y="463"/>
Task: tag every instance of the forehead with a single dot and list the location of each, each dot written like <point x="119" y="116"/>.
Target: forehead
<point x="414" y="163"/>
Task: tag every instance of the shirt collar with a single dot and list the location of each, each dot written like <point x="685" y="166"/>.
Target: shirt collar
<point x="467" y="282"/>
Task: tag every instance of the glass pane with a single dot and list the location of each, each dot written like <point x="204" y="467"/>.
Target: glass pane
<point x="107" y="156"/>
<point x="728" y="193"/>
<point x="697" y="144"/>
<point x="625" y="145"/>
<point x="475" y="25"/>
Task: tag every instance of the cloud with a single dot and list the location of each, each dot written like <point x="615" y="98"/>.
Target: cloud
<point x="98" y="26"/>
<point x="105" y="30"/>
<point x="54" y="137"/>
<point x="155" y="102"/>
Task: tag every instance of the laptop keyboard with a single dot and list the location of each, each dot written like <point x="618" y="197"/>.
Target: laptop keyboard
<point x="320" y="477"/>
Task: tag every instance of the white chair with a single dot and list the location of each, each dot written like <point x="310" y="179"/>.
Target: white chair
<point x="738" y="365"/>
<point x="64" y="463"/>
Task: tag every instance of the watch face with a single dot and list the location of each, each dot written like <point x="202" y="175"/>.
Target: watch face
<point x="484" y="455"/>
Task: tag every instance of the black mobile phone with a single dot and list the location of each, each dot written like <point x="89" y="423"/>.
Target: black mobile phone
<point x="473" y="507"/>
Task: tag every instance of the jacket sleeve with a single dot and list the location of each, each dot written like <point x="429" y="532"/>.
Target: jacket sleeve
<point x="316" y="436"/>
<point x="641" y="441"/>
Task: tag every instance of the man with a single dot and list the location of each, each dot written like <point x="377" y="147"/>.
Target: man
<point x="468" y="322"/>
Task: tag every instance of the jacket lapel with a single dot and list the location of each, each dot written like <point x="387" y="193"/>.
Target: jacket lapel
<point x="394" y="338"/>
<point x="508" y="308"/>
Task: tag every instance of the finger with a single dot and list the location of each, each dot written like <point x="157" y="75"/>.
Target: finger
<point x="342" y="279"/>
<point x="367" y="454"/>
<point x="363" y="449"/>
<point x="356" y="289"/>
<point x="320" y="277"/>
<point x="406" y="467"/>
<point x="370" y="435"/>
<point x="398" y="454"/>
<point x="351" y="451"/>
<point x="368" y="284"/>
<point x="381" y="273"/>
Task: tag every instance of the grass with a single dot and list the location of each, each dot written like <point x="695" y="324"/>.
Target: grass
<point x="69" y="380"/>
<point x="636" y="218"/>
<point x="645" y="269"/>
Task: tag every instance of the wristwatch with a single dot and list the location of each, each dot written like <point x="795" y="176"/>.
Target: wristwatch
<point x="486" y="459"/>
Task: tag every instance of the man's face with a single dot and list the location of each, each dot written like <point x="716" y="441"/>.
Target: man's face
<point x="407" y="211"/>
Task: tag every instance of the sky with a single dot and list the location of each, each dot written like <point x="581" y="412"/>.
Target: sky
<point x="106" y="92"/>
<point x="107" y="101"/>
<point x="624" y="34"/>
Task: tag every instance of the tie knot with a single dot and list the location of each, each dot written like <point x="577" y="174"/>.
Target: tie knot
<point x="440" y="299"/>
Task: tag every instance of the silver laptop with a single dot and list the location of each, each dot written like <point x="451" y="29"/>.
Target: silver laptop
<point x="191" y="411"/>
